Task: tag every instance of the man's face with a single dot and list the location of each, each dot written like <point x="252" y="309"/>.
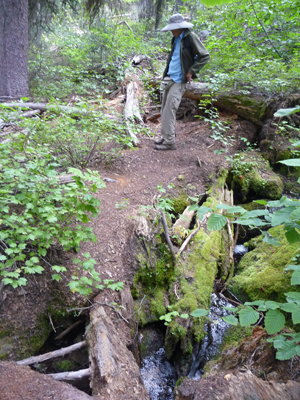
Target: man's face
<point x="177" y="32"/>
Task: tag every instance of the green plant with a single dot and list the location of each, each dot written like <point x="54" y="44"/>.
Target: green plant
<point x="37" y="211"/>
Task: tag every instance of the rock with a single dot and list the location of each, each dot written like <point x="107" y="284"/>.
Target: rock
<point x="237" y="386"/>
<point x="18" y="382"/>
<point x="261" y="271"/>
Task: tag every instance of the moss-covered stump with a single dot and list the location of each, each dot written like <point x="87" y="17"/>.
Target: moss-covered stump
<point x="193" y="287"/>
<point x="261" y="272"/>
<point x="252" y="178"/>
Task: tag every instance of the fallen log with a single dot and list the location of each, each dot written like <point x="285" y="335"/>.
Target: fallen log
<point x="254" y="108"/>
<point x="52" y="354"/>
<point x="71" y="375"/>
<point x="113" y="367"/>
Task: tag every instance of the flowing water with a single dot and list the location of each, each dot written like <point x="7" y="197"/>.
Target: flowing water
<point x="215" y="329"/>
<point x="158" y="376"/>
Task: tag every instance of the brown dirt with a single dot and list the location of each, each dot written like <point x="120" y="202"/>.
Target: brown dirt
<point x="137" y="174"/>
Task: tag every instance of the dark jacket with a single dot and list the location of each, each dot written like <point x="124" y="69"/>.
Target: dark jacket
<point x="193" y="55"/>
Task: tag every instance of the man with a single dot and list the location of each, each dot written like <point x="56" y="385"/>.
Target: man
<point x="187" y="57"/>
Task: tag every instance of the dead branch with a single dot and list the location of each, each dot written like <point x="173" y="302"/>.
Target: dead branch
<point x="52" y="354"/>
<point x="68" y="330"/>
<point x="125" y="23"/>
<point x="167" y="234"/>
<point x="71" y="375"/>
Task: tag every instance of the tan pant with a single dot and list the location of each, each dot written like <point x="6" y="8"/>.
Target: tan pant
<point x="172" y="93"/>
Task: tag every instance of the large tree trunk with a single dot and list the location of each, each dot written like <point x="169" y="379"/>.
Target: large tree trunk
<point x="13" y="49"/>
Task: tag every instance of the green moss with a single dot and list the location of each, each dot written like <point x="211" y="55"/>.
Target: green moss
<point x="252" y="174"/>
<point x="157" y="303"/>
<point x="180" y="203"/>
<point x="235" y="334"/>
<point x="65" y="365"/>
<point x="261" y="271"/>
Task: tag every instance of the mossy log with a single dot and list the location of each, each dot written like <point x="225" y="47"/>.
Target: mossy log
<point x="261" y="271"/>
<point x="252" y="108"/>
<point x="194" y="275"/>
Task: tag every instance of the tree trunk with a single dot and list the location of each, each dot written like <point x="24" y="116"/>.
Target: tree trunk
<point x="13" y="48"/>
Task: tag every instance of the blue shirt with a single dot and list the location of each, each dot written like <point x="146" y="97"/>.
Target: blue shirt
<point x="175" y="71"/>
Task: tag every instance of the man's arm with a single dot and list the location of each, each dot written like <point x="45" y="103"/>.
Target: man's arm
<point x="200" y="55"/>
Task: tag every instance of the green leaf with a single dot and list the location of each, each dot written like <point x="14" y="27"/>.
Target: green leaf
<point x="230" y="319"/>
<point x="295" y="279"/>
<point x="185" y="316"/>
<point x="293" y="295"/>
<point x="296" y="316"/>
<point x="200" y="312"/>
<point x="263" y="202"/>
<point x="56" y="277"/>
<point x="248" y="316"/>
<point x="216" y="222"/>
<point x="289" y="307"/>
<point x="281" y="216"/>
<point x="286" y="351"/>
<point x="292" y="162"/>
<point x="292" y="268"/>
<point x="291" y="234"/>
<point x="268" y="238"/>
<point x="274" y="321"/>
<point x="202" y="211"/>
<point x="283" y="112"/>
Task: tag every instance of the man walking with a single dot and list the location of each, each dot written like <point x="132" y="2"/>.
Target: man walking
<point x="187" y="57"/>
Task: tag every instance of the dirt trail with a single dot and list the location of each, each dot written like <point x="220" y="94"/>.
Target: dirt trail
<point x="137" y="174"/>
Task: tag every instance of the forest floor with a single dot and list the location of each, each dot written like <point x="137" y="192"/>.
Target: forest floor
<point x="136" y="175"/>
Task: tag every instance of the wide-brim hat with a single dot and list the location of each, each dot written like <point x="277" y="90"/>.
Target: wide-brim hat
<point x="177" y="21"/>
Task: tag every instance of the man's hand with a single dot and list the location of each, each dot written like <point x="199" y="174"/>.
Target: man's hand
<point x="189" y="77"/>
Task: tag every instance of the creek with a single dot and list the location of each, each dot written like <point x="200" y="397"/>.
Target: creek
<point x="159" y="375"/>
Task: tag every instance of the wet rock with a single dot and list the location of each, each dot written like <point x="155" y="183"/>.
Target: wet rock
<point x="237" y="386"/>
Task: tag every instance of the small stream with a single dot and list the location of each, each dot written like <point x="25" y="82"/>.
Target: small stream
<point x="159" y="375"/>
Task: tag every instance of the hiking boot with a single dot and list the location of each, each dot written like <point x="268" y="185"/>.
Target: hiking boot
<point x="166" y="146"/>
<point x="159" y="141"/>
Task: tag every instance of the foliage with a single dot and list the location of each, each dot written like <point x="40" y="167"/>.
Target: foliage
<point x="252" y="44"/>
<point x="38" y="211"/>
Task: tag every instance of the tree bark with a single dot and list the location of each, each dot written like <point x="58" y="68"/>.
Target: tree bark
<point x="14" y="48"/>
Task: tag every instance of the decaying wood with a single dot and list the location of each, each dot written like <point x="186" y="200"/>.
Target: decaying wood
<point x="42" y="107"/>
<point x="71" y="375"/>
<point x="131" y="109"/>
<point x="184" y="222"/>
<point x="68" y="330"/>
<point x="52" y="354"/>
<point x="113" y="367"/>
